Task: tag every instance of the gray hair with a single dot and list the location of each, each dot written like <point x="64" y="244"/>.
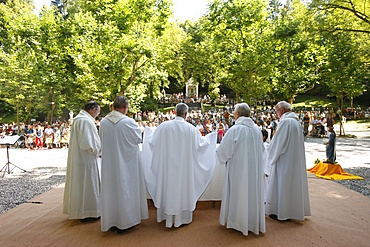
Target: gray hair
<point x="243" y="109"/>
<point x="120" y="102"/>
<point x="181" y="109"/>
<point x="285" y="105"/>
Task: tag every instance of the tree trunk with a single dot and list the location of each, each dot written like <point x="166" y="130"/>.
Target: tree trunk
<point x="340" y="104"/>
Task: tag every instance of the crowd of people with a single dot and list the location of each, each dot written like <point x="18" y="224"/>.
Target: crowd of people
<point x="177" y="163"/>
<point x="315" y="122"/>
<point x="38" y="135"/>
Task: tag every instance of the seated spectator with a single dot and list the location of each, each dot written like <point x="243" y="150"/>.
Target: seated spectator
<point x="199" y="126"/>
<point x="321" y="127"/>
<point x="57" y="137"/>
<point x="30" y="137"/>
<point x="314" y="124"/>
<point x="49" y="136"/>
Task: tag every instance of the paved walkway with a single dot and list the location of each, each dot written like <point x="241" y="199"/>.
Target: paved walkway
<point x="351" y="152"/>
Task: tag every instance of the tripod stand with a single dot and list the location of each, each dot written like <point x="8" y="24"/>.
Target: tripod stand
<point x="6" y="168"/>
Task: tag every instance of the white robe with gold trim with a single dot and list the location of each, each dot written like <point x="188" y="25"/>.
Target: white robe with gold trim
<point x="123" y="193"/>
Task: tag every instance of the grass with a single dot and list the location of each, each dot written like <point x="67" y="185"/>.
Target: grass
<point x="360" y="121"/>
<point x="308" y="100"/>
<point x="302" y="101"/>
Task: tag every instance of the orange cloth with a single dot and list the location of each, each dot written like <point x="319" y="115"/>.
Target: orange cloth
<point x="331" y="171"/>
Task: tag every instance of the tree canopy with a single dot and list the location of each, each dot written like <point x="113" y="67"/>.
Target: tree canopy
<point x="57" y="60"/>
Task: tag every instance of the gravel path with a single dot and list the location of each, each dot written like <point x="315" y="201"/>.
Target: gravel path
<point x="15" y="190"/>
<point x="361" y="186"/>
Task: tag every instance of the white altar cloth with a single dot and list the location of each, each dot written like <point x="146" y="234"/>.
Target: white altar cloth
<point x="213" y="191"/>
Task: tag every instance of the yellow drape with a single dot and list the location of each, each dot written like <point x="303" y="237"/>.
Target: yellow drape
<point x="331" y="171"/>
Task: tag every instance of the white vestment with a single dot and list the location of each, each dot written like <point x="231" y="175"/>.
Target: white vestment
<point x="179" y="165"/>
<point x="287" y="195"/>
<point x="82" y="187"/>
<point x="241" y="150"/>
<point x="123" y="191"/>
<point x="267" y="168"/>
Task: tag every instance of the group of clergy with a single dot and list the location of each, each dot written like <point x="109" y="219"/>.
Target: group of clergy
<point x="175" y="166"/>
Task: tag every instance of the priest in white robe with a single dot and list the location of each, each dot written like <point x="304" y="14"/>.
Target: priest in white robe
<point x="82" y="187"/>
<point x="241" y="150"/>
<point x="180" y="164"/>
<point x="123" y="191"/>
<point x="287" y="195"/>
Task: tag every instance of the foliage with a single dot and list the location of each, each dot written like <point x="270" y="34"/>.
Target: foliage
<point x="352" y="15"/>
<point x="238" y="34"/>
<point x="149" y="104"/>
<point x="346" y="67"/>
<point x="297" y="53"/>
<point x="18" y="57"/>
<point x="95" y="50"/>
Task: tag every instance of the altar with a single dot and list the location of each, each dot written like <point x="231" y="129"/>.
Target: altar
<point x="213" y="191"/>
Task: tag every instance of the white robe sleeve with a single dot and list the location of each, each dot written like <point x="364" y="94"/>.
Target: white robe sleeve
<point x="226" y="149"/>
<point x="88" y="138"/>
<point x="147" y="155"/>
<point x="276" y="149"/>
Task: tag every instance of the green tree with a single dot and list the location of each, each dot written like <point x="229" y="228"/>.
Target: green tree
<point x="115" y="46"/>
<point x="54" y="70"/>
<point x="344" y="72"/>
<point x="297" y="53"/>
<point x="353" y="15"/>
<point x="342" y="27"/>
<point x="232" y="42"/>
<point x="200" y="58"/>
<point x="18" y="57"/>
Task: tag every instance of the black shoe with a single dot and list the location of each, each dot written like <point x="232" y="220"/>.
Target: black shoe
<point x="274" y="217"/>
<point x="120" y="231"/>
<point x="90" y="219"/>
<point x="113" y="228"/>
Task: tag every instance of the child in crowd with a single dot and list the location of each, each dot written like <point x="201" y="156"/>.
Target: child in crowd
<point x="330" y="146"/>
